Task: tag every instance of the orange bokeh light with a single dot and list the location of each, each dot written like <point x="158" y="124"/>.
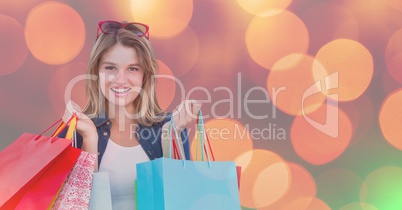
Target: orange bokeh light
<point x="270" y="38"/>
<point x="390" y="116"/>
<point x="73" y="74"/>
<point x="13" y="49"/>
<point x="289" y="86"/>
<point x="165" y="18"/>
<point x="265" y="178"/>
<point x="225" y="135"/>
<point x="307" y="203"/>
<point x="262" y="7"/>
<point x="165" y="86"/>
<point x="353" y="63"/>
<point x="55" y="40"/>
<point x="321" y="136"/>
<point x="302" y="185"/>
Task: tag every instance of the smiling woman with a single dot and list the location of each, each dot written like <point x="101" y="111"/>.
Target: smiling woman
<point x="122" y="104"/>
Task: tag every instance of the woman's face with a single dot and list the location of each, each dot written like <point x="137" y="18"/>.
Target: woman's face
<point x="120" y="75"/>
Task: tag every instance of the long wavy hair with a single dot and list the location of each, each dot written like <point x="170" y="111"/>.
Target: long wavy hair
<point x="146" y="103"/>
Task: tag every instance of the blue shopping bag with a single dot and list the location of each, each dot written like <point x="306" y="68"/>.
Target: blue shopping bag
<point x="171" y="184"/>
<point x="174" y="184"/>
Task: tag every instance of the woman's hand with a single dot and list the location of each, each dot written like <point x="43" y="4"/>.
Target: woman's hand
<point x="85" y="126"/>
<point x="182" y="116"/>
<point x="185" y="113"/>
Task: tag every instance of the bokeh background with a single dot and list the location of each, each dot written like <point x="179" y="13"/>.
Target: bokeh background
<point x="338" y="148"/>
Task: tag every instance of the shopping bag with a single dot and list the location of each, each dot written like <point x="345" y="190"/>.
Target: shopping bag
<point x="166" y="183"/>
<point x="29" y="158"/>
<point x="100" y="194"/>
<point x="202" y="136"/>
<point x="174" y="184"/>
<point x="41" y="194"/>
<point x="76" y="191"/>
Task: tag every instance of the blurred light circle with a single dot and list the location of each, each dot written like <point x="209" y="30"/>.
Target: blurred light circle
<point x="165" y="18"/>
<point x="353" y="64"/>
<point x="165" y="86"/>
<point x="54" y="32"/>
<point x="390" y="116"/>
<point x="13" y="50"/>
<point x="265" y="178"/>
<point x="302" y="185"/>
<point x="290" y="82"/>
<point x="225" y="135"/>
<point x="307" y="203"/>
<point x="270" y="38"/>
<point x="384" y="188"/>
<point x="321" y="136"/>
<point x="260" y="7"/>
<point x="275" y="177"/>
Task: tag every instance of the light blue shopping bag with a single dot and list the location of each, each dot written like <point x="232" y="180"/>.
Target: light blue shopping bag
<point x="169" y="184"/>
<point x="100" y="193"/>
<point x="172" y="184"/>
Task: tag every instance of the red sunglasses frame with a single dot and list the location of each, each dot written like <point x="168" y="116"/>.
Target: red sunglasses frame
<point x="123" y="25"/>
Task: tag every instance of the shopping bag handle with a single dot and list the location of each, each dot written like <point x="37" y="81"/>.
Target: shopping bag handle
<point x="175" y="140"/>
<point x="72" y="122"/>
<point x="201" y="136"/>
<point x="72" y="125"/>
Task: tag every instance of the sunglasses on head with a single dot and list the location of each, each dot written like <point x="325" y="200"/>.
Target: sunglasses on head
<point x="110" y="27"/>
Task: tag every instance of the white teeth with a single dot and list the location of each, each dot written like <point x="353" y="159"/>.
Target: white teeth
<point x="120" y="90"/>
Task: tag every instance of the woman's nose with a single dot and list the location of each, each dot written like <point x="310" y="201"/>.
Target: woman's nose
<point x="120" y="76"/>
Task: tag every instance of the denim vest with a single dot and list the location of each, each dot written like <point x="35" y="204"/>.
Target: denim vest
<point x="149" y="137"/>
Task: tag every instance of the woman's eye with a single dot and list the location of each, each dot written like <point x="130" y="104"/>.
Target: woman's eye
<point x="133" y="69"/>
<point x="109" y="68"/>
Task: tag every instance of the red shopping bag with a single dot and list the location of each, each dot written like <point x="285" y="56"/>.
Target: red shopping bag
<point x="27" y="163"/>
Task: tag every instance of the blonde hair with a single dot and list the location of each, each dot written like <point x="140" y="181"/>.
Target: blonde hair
<point x="146" y="103"/>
